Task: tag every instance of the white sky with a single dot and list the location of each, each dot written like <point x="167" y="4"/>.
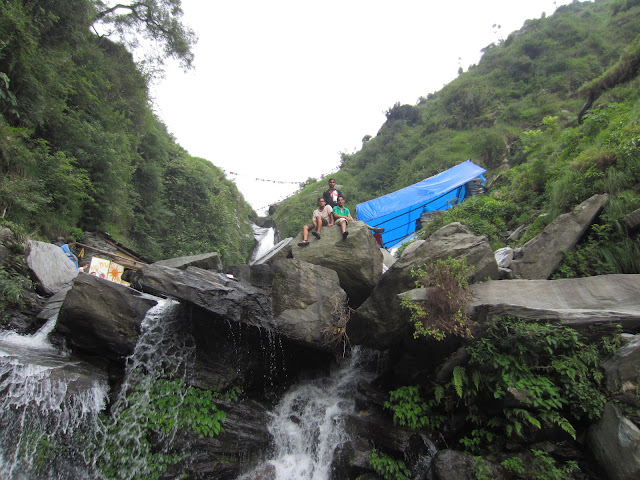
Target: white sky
<point x="280" y="88"/>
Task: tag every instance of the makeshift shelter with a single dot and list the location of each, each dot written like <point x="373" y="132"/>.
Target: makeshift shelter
<point x="398" y="212"/>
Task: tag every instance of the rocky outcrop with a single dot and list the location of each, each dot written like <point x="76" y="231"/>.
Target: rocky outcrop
<point x="101" y="319"/>
<point x="50" y="266"/>
<point x="381" y="322"/>
<point x="573" y="301"/>
<point x="206" y="261"/>
<point x="615" y="442"/>
<point x="455" y="465"/>
<point x="540" y="256"/>
<point x="221" y="457"/>
<point x="292" y="334"/>
<point x="212" y="291"/>
<point x="357" y="260"/>
<point x="621" y="370"/>
<point x="632" y="220"/>
<point x="308" y="303"/>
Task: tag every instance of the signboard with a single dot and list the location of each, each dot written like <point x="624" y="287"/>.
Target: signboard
<point x="106" y="269"/>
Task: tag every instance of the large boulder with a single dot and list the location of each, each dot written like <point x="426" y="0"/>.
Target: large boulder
<point x="615" y="443"/>
<point x="260" y="326"/>
<point x="213" y="291"/>
<point x="308" y="304"/>
<point x="381" y="322"/>
<point x="357" y="260"/>
<point x="101" y="319"/>
<point x="206" y="261"/>
<point x="50" y="266"/>
<point x="621" y="371"/>
<point x="223" y="456"/>
<point x="456" y="465"/>
<point x="573" y="301"/>
<point x="540" y="256"/>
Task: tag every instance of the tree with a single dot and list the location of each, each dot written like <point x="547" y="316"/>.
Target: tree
<point x="154" y="20"/>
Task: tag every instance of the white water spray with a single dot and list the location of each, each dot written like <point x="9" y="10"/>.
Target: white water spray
<point x="308" y="425"/>
<point x="265" y="237"/>
<point x="46" y="399"/>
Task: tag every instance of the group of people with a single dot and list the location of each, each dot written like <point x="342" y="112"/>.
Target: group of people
<point x="330" y="211"/>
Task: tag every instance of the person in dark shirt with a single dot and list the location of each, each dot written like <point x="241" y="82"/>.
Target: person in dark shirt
<point x="332" y="193"/>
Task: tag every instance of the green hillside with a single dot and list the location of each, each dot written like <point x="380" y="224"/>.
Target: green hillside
<point x="517" y="113"/>
<point x="81" y="148"/>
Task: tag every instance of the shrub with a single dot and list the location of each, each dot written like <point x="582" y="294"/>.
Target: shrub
<point x="546" y="367"/>
<point x="443" y="312"/>
<point x="388" y="467"/>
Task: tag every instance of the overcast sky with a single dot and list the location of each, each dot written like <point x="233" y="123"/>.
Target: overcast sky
<point x="281" y="87"/>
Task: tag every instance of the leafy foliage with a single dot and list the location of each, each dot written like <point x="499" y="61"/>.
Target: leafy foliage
<point x="516" y="113"/>
<point x="388" y="467"/>
<point x="168" y="406"/>
<point x="156" y="20"/>
<point x="80" y="146"/>
<point x="443" y="311"/>
<point x="542" y="467"/>
<point x="546" y="367"/>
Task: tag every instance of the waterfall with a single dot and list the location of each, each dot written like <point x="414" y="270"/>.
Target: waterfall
<point x="52" y="408"/>
<point x="265" y="236"/>
<point x="47" y="402"/>
<point x="163" y="351"/>
<point x="307" y="424"/>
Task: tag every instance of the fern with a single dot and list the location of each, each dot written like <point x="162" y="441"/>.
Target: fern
<point x="459" y="379"/>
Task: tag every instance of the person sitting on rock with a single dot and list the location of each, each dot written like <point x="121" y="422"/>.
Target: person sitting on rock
<point x="322" y="217"/>
<point x="342" y="216"/>
<point x="66" y="248"/>
<point x="332" y="193"/>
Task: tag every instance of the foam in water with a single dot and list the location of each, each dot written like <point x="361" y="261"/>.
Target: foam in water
<point x="308" y="424"/>
<point x="46" y="400"/>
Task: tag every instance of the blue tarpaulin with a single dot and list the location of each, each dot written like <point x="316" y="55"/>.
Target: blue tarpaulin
<point x="397" y="212"/>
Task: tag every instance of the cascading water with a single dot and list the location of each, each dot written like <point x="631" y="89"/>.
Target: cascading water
<point x="307" y="424"/>
<point x="52" y="422"/>
<point x="47" y="403"/>
<point x="265" y="236"/>
<point x="163" y="351"/>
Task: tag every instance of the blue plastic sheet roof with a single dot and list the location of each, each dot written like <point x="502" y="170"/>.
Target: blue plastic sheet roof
<point x="397" y="212"/>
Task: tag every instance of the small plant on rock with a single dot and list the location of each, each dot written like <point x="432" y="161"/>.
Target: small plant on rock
<point x="388" y="467"/>
<point x="443" y="311"/>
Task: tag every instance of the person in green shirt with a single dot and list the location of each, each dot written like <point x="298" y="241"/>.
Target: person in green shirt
<point x="342" y="216"/>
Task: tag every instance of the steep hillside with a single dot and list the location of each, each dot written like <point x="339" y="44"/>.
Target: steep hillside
<point x="518" y="114"/>
<point x="81" y="148"/>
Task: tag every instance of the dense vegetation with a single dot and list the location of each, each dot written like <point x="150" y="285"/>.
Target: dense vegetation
<point x="518" y="114"/>
<point x="80" y="146"/>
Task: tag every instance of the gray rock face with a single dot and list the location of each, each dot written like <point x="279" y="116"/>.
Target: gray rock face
<point x="101" y="318"/>
<point x="621" y="370"/>
<point x="381" y="322"/>
<point x="270" y="320"/>
<point x="307" y="302"/>
<point x="632" y="221"/>
<point x="540" y="256"/>
<point x="222" y="457"/>
<point x="574" y="301"/>
<point x="615" y="443"/>
<point x="357" y="260"/>
<point x="298" y="300"/>
<point x="212" y="291"/>
<point x="51" y="267"/>
<point x="206" y="261"/>
<point x="455" y="465"/>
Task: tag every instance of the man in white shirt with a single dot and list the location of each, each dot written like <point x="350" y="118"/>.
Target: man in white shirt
<point x="322" y="217"/>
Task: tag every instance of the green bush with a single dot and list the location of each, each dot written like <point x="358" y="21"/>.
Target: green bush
<point x="448" y="295"/>
<point x="552" y="373"/>
<point x="388" y="467"/>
